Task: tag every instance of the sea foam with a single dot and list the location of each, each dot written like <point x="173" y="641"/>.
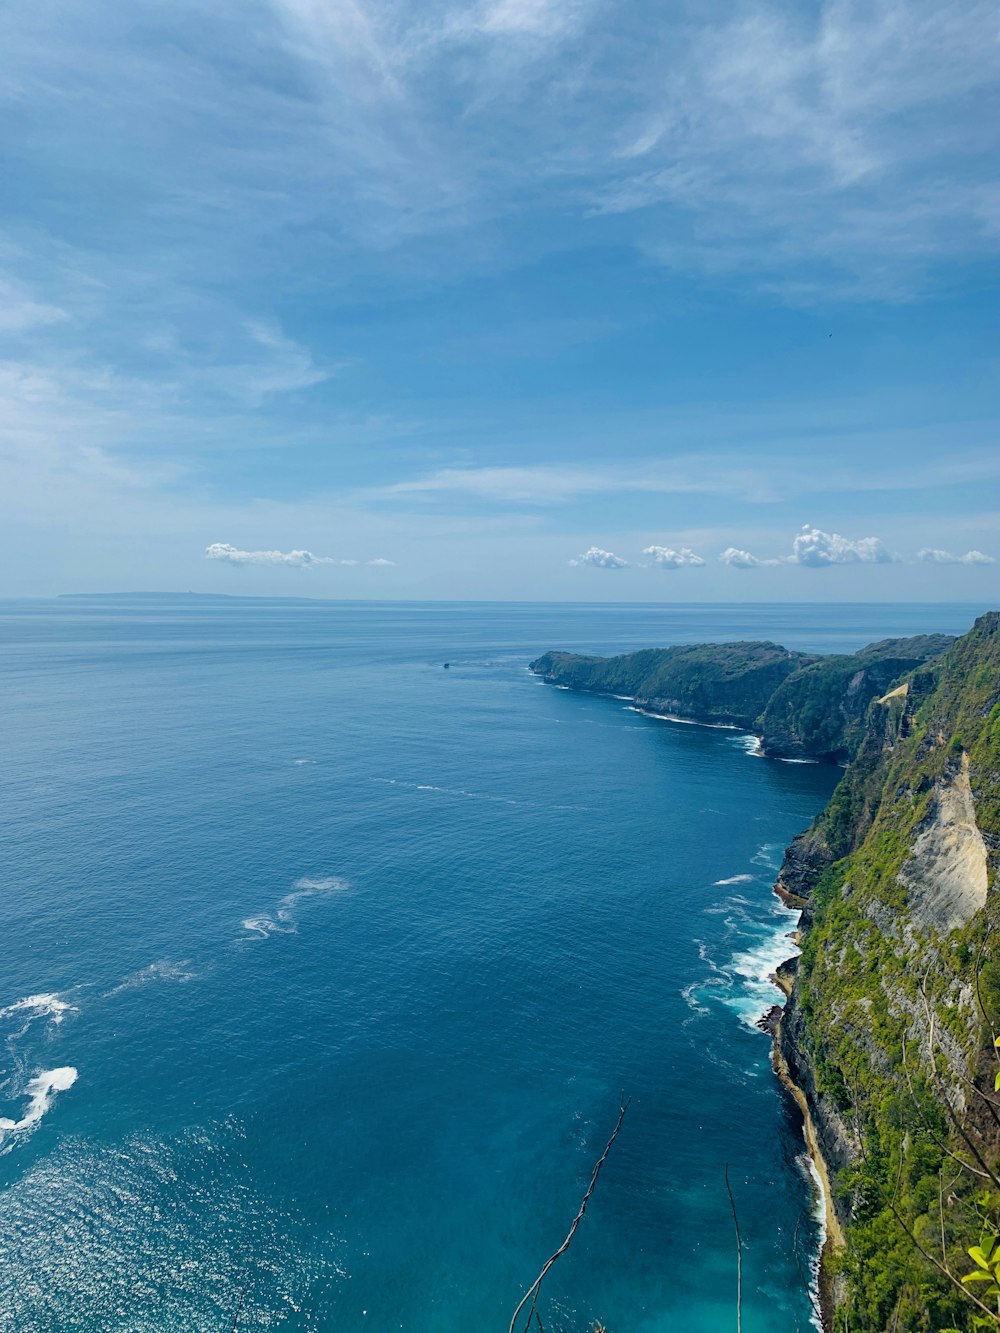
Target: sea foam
<point x="39" y="1006"/>
<point x="40" y="1091"/>
<point x="284" y="921"/>
<point x="164" y="970"/>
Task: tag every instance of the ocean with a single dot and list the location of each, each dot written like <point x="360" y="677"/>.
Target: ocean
<point x="324" y="969"/>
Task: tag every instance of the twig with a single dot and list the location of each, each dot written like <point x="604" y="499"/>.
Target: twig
<point x="739" y="1256"/>
<point x="532" y="1292"/>
<point x="239" y="1309"/>
<point x="929" y="1012"/>
<point x="942" y="1268"/>
<point x="938" y="1142"/>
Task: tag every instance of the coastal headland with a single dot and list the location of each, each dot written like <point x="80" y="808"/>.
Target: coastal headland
<point x="886" y="1039"/>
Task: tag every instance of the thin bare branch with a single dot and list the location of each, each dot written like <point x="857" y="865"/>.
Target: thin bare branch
<point x="739" y="1256"/>
<point x="942" y="1093"/>
<point x="532" y="1293"/>
<point x="938" y="1142"/>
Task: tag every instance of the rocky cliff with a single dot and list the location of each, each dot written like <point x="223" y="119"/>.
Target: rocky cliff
<point x="888" y="1031"/>
<point x="801" y="705"/>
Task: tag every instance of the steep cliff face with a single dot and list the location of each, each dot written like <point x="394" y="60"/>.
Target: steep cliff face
<point x="886" y="1030"/>
<point x="802" y="706"/>
<point x="820" y="709"/>
<point x="727" y="683"/>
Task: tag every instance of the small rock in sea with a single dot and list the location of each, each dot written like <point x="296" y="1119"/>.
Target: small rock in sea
<point x="769" y="1021"/>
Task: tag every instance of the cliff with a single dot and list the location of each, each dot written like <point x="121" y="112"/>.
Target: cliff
<point x="800" y="705"/>
<point x="887" y="1031"/>
<point x="819" y="710"/>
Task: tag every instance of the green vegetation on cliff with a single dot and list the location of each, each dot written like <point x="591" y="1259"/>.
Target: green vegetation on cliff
<point x="800" y="704"/>
<point x="820" y="709"/>
<point x="710" y="682"/>
<point x="886" y="1029"/>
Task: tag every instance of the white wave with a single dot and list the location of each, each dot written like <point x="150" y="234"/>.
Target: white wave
<point x="300" y="762"/>
<point x="755" y="968"/>
<point x="769" y="855"/>
<point x="452" y="791"/>
<point x="263" y="926"/>
<point x="750" y="744"/>
<point x="782" y="760"/>
<point x="819" y="1207"/>
<point x="736" y="879"/>
<point x="684" y="721"/>
<point x="690" y="997"/>
<point x="327" y="884"/>
<point x="744" y="982"/>
<point x="40" y="1091"/>
<point x="164" y="970"/>
<point x="284" y="921"/>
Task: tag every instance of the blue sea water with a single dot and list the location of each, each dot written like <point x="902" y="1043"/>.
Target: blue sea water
<point x="324" y="968"/>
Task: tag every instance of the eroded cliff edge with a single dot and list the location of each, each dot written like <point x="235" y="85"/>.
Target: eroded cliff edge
<point x="887" y="1029"/>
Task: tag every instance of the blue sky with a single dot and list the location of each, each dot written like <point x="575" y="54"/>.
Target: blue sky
<point x="514" y="298"/>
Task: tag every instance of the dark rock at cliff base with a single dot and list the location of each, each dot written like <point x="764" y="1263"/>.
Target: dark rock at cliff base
<point x="805" y="859"/>
<point x="769" y="1022"/>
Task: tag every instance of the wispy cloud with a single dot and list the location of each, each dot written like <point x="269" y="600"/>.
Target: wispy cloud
<point x="842" y="135"/>
<point x="600" y="559"/>
<point x="935" y="556"/>
<point x="20" y="310"/>
<point x="847" y="134"/>
<point x="559" y="485"/>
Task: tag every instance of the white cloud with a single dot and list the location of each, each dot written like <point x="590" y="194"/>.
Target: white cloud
<point x="817" y="549"/>
<point x="666" y="557"/>
<point x="600" y="559"/>
<point x="739" y="559"/>
<point x="935" y="556"/>
<point x="231" y="555"/>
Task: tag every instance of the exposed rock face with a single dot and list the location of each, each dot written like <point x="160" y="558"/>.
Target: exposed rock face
<point x="883" y="1033"/>
<point x="819" y="711"/>
<point x="947" y="876"/>
<point x="806" y="857"/>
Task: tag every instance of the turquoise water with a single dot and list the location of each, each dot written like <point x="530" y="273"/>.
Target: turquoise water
<point x="353" y="955"/>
